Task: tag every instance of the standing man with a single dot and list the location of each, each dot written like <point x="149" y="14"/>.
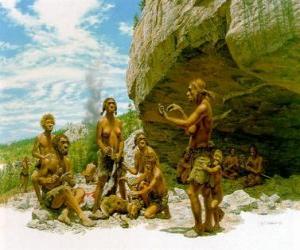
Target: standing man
<point x="199" y="127"/>
<point x="42" y="149"/>
<point x="111" y="144"/>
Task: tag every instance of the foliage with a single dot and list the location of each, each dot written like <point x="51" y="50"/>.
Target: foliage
<point x="135" y="20"/>
<point x="142" y="4"/>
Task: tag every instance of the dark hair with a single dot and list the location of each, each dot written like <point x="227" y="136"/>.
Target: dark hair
<point x="137" y="136"/>
<point x="104" y="105"/>
<point x="56" y="139"/>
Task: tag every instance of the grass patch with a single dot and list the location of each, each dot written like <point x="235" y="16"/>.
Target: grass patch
<point x="81" y="153"/>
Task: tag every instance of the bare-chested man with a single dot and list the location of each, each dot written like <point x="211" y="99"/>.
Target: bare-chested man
<point x="231" y="165"/>
<point x="111" y="144"/>
<point x="254" y="167"/>
<point x="56" y="179"/>
<point x="143" y="149"/>
<point x="24" y="174"/>
<point x="199" y="126"/>
<point x="42" y="149"/>
<point x="154" y="192"/>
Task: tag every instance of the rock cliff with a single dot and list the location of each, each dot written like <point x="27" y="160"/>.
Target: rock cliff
<point x="248" y="52"/>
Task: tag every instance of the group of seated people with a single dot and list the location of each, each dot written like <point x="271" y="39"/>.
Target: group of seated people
<point x="232" y="167"/>
<point x="55" y="185"/>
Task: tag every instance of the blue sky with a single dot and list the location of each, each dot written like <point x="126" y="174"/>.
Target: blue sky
<point x="56" y="55"/>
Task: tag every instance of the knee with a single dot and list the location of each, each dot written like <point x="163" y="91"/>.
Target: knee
<point x="80" y="192"/>
<point x="191" y="193"/>
<point x="34" y="177"/>
<point x="149" y="215"/>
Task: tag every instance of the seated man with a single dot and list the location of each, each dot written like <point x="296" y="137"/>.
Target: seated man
<point x="184" y="168"/>
<point x="56" y="179"/>
<point x="154" y="191"/>
<point x="231" y="165"/>
<point x="254" y="168"/>
<point x="89" y="173"/>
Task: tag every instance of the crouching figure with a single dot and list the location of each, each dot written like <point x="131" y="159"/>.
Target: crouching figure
<point x="56" y="180"/>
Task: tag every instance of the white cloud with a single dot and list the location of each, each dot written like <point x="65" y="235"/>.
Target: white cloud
<point x="126" y="29"/>
<point x="7" y="46"/>
<point x="51" y="70"/>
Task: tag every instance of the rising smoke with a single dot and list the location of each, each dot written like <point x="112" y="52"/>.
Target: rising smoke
<point x="95" y="85"/>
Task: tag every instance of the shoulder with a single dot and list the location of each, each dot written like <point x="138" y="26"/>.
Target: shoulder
<point x="40" y="136"/>
<point x="101" y="120"/>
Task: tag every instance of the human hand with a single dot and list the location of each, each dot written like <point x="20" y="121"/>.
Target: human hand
<point x="174" y="107"/>
<point x="107" y="151"/>
<point x="161" y="110"/>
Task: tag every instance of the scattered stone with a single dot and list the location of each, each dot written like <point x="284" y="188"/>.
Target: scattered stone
<point x="181" y="193"/>
<point x="274" y="198"/>
<point x="41" y="215"/>
<point x="24" y="203"/>
<point x="238" y="201"/>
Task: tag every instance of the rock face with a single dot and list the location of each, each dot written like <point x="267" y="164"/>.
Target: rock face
<point x="248" y="53"/>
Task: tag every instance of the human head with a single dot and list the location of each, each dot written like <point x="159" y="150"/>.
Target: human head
<point x="109" y="105"/>
<point x="61" y="144"/>
<point x="140" y="140"/>
<point x="196" y="90"/>
<point x="232" y="151"/>
<point x="218" y="155"/>
<point x="150" y="161"/>
<point x="253" y="150"/>
<point x="47" y="122"/>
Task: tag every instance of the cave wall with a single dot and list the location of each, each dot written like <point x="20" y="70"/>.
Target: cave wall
<point x="248" y="53"/>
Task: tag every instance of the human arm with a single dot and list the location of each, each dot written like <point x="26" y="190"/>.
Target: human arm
<point x="119" y="155"/>
<point x="189" y="121"/>
<point x="213" y="169"/>
<point x="149" y="187"/>
<point x="175" y="107"/>
<point x="68" y="176"/>
<point x="36" y="151"/>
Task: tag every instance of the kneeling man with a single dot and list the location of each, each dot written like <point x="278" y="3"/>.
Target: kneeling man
<point x="154" y="191"/>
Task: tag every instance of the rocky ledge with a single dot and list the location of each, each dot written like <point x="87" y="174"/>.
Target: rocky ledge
<point x="248" y="53"/>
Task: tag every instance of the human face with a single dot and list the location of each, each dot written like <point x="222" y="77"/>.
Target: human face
<point x="232" y="151"/>
<point x="141" y="142"/>
<point x="192" y="93"/>
<point x="63" y="146"/>
<point x="49" y="124"/>
<point x="111" y="106"/>
<point x="252" y="151"/>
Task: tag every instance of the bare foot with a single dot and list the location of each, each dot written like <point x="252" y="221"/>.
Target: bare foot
<point x="63" y="217"/>
<point x="194" y="232"/>
<point x="98" y="215"/>
<point x="85" y="221"/>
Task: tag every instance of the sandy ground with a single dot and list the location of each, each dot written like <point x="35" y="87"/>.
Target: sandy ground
<point x="276" y="231"/>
